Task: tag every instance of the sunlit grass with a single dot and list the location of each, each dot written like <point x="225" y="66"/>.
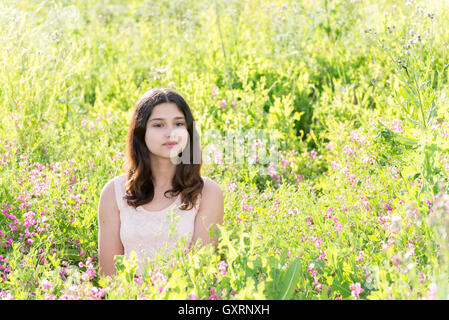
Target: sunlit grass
<point x="354" y="206"/>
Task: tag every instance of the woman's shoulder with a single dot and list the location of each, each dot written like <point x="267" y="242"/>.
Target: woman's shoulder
<point x="211" y="187"/>
<point x="110" y="184"/>
<point x="119" y="177"/>
<point x="108" y="196"/>
<point x="212" y="202"/>
<point x="208" y="181"/>
<point x="113" y="186"/>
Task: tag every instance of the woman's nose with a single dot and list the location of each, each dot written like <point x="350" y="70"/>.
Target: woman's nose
<point x="171" y="133"/>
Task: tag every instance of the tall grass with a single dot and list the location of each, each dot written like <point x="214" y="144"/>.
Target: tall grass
<point x="351" y="203"/>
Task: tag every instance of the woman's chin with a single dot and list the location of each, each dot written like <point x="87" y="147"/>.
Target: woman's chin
<point x="172" y="154"/>
<point x="169" y="154"/>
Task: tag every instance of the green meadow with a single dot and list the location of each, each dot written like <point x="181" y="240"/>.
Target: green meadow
<point x="349" y="200"/>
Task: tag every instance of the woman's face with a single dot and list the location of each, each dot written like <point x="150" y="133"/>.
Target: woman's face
<point x="166" y="124"/>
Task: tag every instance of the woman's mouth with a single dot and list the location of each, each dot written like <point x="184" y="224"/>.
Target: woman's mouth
<point x="170" y="144"/>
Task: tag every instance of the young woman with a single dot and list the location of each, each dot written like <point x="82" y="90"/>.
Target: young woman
<point x="161" y="196"/>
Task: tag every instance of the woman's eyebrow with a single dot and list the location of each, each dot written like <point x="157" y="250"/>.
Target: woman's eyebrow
<point x="175" y="118"/>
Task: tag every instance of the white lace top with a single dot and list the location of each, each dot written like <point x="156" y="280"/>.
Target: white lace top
<point x="147" y="232"/>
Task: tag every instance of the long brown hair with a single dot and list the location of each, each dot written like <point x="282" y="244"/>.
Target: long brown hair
<point x="187" y="179"/>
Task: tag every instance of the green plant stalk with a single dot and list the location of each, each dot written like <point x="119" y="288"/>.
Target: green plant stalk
<point x="420" y="100"/>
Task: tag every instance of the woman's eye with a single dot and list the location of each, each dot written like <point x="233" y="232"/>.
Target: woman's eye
<point x="160" y="125"/>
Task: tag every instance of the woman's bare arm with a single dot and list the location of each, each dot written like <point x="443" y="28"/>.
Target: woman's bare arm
<point x="109" y="243"/>
<point x="211" y="212"/>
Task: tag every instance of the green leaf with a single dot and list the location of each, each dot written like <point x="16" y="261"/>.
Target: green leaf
<point x="406" y="141"/>
<point x="252" y="241"/>
<point x="290" y="280"/>
<point x="283" y="256"/>
<point x="297" y="115"/>
<point x="232" y="253"/>
<point x="119" y="264"/>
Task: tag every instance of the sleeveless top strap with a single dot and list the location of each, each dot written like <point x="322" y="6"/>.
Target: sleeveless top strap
<point x="197" y="206"/>
<point x="119" y="188"/>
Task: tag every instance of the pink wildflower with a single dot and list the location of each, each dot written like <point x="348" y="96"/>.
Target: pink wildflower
<point x="46" y="285"/>
<point x="356" y="289"/>
<point x="49" y="296"/>
<point x="432" y="292"/>
<point x="360" y="257"/>
<point x="338" y="227"/>
<point x="4" y="295"/>
<point x="192" y="296"/>
<point x="322" y="255"/>
<point x="222" y="267"/>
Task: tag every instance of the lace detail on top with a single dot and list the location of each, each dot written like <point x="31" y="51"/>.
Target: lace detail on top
<point x="148" y="232"/>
